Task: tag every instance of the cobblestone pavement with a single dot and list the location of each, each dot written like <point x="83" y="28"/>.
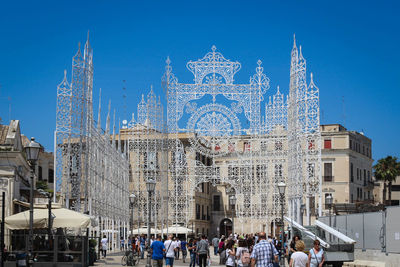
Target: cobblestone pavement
<point x="114" y="259"/>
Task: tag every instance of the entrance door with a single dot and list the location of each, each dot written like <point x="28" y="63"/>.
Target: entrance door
<point x="225" y="227"/>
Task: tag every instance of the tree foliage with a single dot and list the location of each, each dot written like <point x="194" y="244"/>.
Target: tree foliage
<point x="386" y="170"/>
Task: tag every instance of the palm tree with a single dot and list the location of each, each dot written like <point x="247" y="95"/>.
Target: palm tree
<point x="386" y="170"/>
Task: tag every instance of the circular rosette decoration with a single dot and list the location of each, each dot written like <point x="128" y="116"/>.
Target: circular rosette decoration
<point x="216" y="129"/>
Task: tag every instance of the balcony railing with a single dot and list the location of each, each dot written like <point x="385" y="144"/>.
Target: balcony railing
<point x="328" y="178"/>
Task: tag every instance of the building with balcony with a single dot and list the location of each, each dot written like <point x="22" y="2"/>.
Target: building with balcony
<point x="346" y="165"/>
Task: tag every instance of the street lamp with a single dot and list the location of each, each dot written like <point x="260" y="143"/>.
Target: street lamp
<point x="132" y="199"/>
<point x="232" y="202"/>
<point x="49" y="196"/>
<point x="328" y="202"/>
<point x="281" y="189"/>
<point x="226" y="233"/>
<point x="32" y="155"/>
<point x="150" y="185"/>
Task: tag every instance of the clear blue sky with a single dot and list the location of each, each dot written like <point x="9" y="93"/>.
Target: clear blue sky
<point x="352" y="47"/>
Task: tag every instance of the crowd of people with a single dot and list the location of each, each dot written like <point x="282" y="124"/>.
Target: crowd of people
<point x="233" y="250"/>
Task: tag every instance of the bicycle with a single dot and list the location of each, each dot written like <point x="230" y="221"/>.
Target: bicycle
<point x="131" y="258"/>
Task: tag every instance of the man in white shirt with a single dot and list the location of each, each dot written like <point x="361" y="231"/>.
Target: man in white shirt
<point x="104" y="243"/>
<point x="178" y="247"/>
<point x="170" y="247"/>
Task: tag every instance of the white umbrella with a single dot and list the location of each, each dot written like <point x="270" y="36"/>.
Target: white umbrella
<point x="63" y="218"/>
<point x="177" y="229"/>
<point x="143" y="230"/>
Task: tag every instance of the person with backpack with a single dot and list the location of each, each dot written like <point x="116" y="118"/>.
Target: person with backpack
<point x="230" y="254"/>
<point x="203" y="251"/>
<point x="264" y="253"/>
<point x="243" y="254"/>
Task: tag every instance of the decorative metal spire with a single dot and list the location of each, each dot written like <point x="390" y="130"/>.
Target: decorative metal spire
<point x="99" y="114"/>
<point x="108" y="118"/>
<point x="119" y="135"/>
<point x="113" y="133"/>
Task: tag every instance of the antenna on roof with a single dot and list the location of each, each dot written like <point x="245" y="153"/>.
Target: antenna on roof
<point x="343" y="111"/>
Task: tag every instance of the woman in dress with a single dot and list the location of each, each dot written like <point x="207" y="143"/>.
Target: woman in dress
<point x="316" y="256"/>
<point x="299" y="258"/>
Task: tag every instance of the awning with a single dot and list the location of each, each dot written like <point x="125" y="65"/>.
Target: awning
<point x="38" y="205"/>
<point x="63" y="218"/>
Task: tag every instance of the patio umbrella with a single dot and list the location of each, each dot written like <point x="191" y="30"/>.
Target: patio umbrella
<point x="63" y="218"/>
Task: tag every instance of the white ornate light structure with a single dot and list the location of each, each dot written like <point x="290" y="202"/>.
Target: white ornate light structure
<point x="92" y="171"/>
<point x="216" y="119"/>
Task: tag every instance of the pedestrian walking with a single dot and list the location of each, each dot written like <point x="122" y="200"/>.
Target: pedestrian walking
<point x="122" y="246"/>
<point x="192" y="252"/>
<point x="203" y="251"/>
<point x="316" y="257"/>
<point x="170" y="246"/>
<point x="184" y="250"/>
<point x="178" y="247"/>
<point x="230" y="254"/>
<point x="264" y="253"/>
<point x="157" y="249"/>
<point x="142" y="243"/>
<point x="292" y="246"/>
<point x="104" y="245"/>
<point x="215" y="243"/>
<point x="299" y="258"/>
<point x="242" y="254"/>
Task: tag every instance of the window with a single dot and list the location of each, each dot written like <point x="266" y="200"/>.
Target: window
<point x="351" y="198"/>
<point x="365" y="177"/>
<point x="202" y="187"/>
<point x="40" y="174"/>
<point x="328" y="172"/>
<point x="203" y="216"/>
<point x="327" y="143"/>
<point x="351" y="172"/>
<point x="351" y="144"/>
<point x="197" y="212"/>
<point x="216" y="203"/>
<point x="51" y="176"/>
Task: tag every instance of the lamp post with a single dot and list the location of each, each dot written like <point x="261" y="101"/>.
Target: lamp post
<point x="232" y="202"/>
<point x="32" y="155"/>
<point x="281" y="189"/>
<point x="226" y="233"/>
<point x="132" y="199"/>
<point x="49" y="196"/>
<point x="150" y="185"/>
<point x="328" y="202"/>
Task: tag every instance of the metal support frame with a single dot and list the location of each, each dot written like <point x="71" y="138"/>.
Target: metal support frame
<point x="207" y="121"/>
<point x="91" y="167"/>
